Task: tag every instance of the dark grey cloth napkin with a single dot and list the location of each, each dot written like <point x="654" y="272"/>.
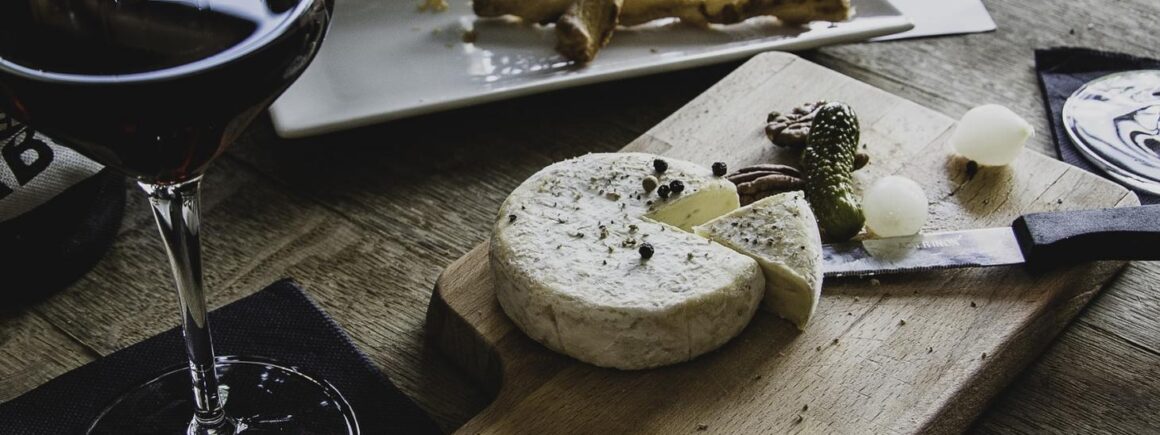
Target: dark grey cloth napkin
<point x="280" y="322"/>
<point x="1062" y="71"/>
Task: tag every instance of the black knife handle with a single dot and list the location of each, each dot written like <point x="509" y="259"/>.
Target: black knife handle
<point x="1064" y="237"/>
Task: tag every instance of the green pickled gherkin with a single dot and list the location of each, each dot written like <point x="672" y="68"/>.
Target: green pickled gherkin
<point x="828" y="162"/>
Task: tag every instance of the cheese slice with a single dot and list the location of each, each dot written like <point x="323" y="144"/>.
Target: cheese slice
<point x="781" y="233"/>
<point x="566" y="261"/>
<point x="686" y="210"/>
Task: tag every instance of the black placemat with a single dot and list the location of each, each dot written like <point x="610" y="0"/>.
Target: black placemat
<point x="280" y="322"/>
<point x="1062" y="71"/>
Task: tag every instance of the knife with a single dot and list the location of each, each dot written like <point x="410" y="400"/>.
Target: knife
<point x="1039" y="240"/>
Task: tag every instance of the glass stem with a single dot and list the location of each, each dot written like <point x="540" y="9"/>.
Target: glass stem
<point x="177" y="211"/>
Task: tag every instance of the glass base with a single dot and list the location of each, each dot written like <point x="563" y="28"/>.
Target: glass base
<point x="259" y="395"/>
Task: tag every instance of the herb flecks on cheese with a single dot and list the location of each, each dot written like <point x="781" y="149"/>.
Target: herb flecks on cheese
<point x="780" y="232"/>
<point x="572" y="271"/>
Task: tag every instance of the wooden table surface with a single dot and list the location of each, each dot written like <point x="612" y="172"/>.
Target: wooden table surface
<point x="367" y="219"/>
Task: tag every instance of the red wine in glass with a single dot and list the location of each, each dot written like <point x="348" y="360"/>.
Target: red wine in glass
<point x="157" y="89"/>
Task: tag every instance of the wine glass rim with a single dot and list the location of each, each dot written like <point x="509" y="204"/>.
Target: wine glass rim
<point x="252" y="43"/>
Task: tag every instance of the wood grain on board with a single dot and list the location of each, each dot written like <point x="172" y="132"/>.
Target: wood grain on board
<point x="904" y="354"/>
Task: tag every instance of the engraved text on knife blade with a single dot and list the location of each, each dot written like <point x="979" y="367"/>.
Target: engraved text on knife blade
<point x="970" y="248"/>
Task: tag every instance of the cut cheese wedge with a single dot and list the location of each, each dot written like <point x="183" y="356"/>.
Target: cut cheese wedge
<point x="780" y="232"/>
<point x="568" y="269"/>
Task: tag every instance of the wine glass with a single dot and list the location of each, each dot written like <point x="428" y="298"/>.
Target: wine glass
<point x="157" y="89"/>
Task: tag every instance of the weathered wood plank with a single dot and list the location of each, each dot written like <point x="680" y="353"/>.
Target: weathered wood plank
<point x="1131" y="310"/>
<point x="32" y="351"/>
<point x="1090" y="381"/>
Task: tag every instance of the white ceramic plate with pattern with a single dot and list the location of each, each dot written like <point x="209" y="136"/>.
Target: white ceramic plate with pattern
<point x="386" y="59"/>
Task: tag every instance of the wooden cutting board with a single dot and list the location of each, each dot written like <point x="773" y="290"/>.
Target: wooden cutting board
<point x="899" y="354"/>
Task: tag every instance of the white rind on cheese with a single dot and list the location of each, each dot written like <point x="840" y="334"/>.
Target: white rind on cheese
<point x="781" y="233"/>
<point x="567" y="270"/>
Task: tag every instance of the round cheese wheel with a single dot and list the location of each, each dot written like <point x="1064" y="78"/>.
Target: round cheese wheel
<point x="569" y="268"/>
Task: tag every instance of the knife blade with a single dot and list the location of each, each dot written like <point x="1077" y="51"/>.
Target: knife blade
<point x="970" y="248"/>
<point x="1040" y="240"/>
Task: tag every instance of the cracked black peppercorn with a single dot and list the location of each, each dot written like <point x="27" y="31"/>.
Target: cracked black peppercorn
<point x="511" y="218"/>
<point x="676" y="187"/>
<point x="719" y="169"/>
<point x="646" y="251"/>
<point x="660" y="165"/>
<point x="664" y="190"/>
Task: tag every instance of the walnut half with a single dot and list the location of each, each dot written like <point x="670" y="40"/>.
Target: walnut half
<point x="792" y="129"/>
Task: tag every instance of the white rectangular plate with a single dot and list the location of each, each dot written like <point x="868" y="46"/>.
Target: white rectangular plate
<point x="943" y="17"/>
<point x="386" y="59"/>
